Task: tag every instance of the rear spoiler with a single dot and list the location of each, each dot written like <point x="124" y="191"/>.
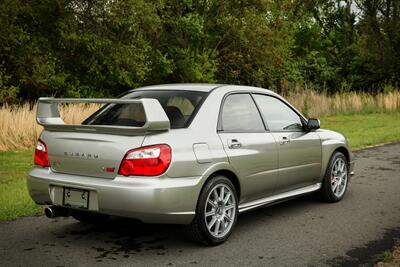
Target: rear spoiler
<point x="48" y="116"/>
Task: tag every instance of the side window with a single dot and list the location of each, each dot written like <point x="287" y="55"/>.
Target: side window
<point x="279" y="116"/>
<point x="239" y="113"/>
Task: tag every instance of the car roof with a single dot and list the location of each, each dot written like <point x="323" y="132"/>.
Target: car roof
<point x="201" y="87"/>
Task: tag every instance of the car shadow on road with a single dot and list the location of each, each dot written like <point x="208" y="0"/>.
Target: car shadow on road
<point x="123" y="237"/>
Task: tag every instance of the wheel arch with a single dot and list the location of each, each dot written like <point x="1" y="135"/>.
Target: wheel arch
<point x="344" y="151"/>
<point x="226" y="173"/>
<point x="231" y="176"/>
<point x="328" y="149"/>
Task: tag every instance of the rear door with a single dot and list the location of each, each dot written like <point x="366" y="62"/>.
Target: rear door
<point x="251" y="150"/>
<point x="299" y="151"/>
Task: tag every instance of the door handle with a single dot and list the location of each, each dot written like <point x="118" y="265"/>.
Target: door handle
<point x="284" y="140"/>
<point x="234" y="144"/>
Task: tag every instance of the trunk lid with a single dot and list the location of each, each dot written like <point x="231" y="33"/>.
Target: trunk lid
<point x="88" y="154"/>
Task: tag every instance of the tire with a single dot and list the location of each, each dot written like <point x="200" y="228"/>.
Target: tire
<point x="336" y="179"/>
<point x="220" y="213"/>
<point x="89" y="217"/>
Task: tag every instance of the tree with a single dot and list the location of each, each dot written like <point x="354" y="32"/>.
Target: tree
<point x="94" y="48"/>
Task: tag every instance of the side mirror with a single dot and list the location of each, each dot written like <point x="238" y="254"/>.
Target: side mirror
<point x="313" y="124"/>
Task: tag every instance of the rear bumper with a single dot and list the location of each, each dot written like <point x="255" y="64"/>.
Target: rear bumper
<point x="152" y="200"/>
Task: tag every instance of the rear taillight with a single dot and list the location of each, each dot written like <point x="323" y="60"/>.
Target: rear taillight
<point x="146" y="161"/>
<point x="41" y="156"/>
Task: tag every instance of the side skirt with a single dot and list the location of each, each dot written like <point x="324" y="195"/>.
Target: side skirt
<point x="278" y="198"/>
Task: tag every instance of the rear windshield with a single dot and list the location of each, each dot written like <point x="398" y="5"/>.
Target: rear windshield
<point x="180" y="107"/>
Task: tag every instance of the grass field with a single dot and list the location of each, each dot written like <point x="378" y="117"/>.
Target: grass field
<point x="361" y="130"/>
<point x="14" y="198"/>
<point x="365" y="129"/>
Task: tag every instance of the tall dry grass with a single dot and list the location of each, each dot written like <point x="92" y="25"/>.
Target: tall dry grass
<point x="18" y="128"/>
<point x="315" y="104"/>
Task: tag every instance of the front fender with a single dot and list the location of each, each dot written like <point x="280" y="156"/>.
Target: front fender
<point x="332" y="141"/>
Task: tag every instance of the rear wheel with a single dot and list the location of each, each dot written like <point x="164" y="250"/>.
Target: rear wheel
<point x="335" y="182"/>
<point x="216" y="212"/>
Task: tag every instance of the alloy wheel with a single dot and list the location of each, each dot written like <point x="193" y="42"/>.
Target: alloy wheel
<point x="339" y="177"/>
<point x="220" y="210"/>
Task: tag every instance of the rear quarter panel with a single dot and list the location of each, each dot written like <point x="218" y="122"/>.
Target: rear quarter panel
<point x="183" y="143"/>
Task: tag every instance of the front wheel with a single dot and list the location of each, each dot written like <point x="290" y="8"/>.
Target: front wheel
<point x="335" y="182"/>
<point x="216" y="212"/>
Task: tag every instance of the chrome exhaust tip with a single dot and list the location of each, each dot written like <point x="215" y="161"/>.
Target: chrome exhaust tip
<point x="54" y="212"/>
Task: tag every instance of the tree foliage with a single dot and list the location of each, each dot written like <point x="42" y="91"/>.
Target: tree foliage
<point x="84" y="48"/>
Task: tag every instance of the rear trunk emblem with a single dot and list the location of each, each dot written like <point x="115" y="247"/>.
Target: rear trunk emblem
<point x="81" y="155"/>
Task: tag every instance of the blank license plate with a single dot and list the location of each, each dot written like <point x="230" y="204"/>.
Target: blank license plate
<point x="76" y="198"/>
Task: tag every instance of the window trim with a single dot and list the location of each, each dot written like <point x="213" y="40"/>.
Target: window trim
<point x="219" y="123"/>
<point x="301" y="116"/>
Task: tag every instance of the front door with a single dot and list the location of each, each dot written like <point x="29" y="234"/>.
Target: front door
<point x="299" y="151"/>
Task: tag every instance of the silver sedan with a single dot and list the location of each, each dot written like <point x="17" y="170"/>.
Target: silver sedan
<point x="193" y="154"/>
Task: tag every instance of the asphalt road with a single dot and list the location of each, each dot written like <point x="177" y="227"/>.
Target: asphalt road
<point x="302" y="232"/>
